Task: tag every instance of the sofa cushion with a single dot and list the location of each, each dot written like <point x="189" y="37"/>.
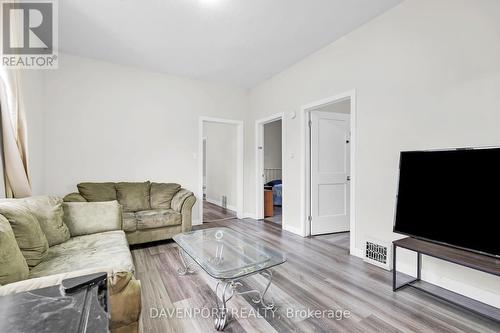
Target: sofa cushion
<point x="83" y="218"/>
<point x="105" y="252"/>
<point x="97" y="191"/>
<point x="162" y="194"/>
<point x="133" y="196"/>
<point x="27" y="230"/>
<point x="129" y="222"/>
<point x="49" y="212"/>
<point x="13" y="266"/>
<point x="157" y="218"/>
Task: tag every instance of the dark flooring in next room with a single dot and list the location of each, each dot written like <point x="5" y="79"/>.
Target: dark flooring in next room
<point x="277" y="217"/>
<point x="319" y="275"/>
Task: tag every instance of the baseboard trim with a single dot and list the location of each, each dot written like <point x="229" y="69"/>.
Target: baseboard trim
<point x="293" y="230"/>
<point x="247" y="215"/>
<point x="357" y="253"/>
<point x="217" y="203"/>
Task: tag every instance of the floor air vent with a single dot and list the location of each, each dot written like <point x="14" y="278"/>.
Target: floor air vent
<point x="378" y="253"/>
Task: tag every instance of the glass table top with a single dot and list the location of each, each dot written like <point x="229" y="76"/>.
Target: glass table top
<point x="226" y="254"/>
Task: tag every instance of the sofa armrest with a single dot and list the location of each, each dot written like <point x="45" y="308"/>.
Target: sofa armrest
<point x="179" y="198"/>
<point x="84" y="218"/>
<point x="183" y="202"/>
<point x="74" y="197"/>
<point x="186" y="211"/>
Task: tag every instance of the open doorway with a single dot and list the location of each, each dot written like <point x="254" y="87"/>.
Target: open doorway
<point x="221" y="169"/>
<point x="269" y="169"/>
<point x="329" y="171"/>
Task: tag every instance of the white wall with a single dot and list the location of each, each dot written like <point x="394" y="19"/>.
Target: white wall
<point x="272" y="145"/>
<point x="107" y="122"/>
<point x="427" y="75"/>
<point x="221" y="162"/>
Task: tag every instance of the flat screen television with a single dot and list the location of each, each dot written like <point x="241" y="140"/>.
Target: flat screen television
<point x="451" y="197"/>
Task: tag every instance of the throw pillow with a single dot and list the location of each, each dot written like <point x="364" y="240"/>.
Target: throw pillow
<point x="49" y="213"/>
<point x="85" y="218"/>
<point x="27" y="230"/>
<point x="13" y="266"/>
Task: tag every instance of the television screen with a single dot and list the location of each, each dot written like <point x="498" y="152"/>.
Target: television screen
<point x="451" y="197"/>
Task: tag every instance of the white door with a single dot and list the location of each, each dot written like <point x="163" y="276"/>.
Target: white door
<point x="329" y="172"/>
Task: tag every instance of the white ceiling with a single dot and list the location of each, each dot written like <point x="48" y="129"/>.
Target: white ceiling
<point x="239" y="42"/>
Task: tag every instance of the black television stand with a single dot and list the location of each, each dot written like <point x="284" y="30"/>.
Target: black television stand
<point x="460" y="257"/>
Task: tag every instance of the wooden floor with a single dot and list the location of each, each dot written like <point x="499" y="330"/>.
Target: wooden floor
<point x="213" y="213"/>
<point x="319" y="275"/>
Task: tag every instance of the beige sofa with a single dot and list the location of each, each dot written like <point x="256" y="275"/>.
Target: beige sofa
<point x="43" y="241"/>
<point x="151" y="211"/>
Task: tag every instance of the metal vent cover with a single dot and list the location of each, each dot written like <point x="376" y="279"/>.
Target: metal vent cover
<point x="378" y="253"/>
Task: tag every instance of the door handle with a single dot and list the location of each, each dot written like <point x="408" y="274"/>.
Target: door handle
<point x="348" y="178"/>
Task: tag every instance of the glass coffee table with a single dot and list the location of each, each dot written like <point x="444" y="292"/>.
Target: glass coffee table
<point x="228" y="256"/>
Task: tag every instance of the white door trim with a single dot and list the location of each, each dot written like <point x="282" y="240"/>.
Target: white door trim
<point x="239" y="163"/>
<point x="259" y="161"/>
<point x="305" y="165"/>
<point x="204" y="163"/>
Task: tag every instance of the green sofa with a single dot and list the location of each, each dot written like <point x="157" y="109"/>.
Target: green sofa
<point x="44" y="241"/>
<point x="151" y="211"/>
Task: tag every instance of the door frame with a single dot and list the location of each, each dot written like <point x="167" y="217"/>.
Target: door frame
<point x="306" y="164"/>
<point x="259" y="161"/>
<point x="203" y="162"/>
<point x="239" y="162"/>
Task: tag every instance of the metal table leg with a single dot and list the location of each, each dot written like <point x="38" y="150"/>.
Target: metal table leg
<point x="229" y="289"/>
<point x="222" y="316"/>
<point x="187" y="267"/>
<point x="260" y="295"/>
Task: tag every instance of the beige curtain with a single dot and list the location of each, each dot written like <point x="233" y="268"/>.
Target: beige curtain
<point x="14" y="143"/>
<point x="14" y="136"/>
